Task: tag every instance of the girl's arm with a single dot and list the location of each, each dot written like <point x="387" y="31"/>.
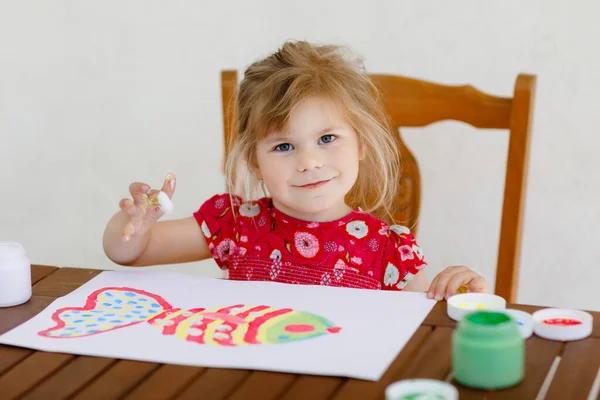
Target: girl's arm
<point x="167" y="242"/>
<point x="417" y="284"/>
<point x="133" y="237"/>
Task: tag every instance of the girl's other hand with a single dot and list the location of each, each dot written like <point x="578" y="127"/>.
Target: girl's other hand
<point x="448" y="282"/>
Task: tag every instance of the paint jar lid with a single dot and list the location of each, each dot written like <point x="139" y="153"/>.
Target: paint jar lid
<point x="524" y="321"/>
<point x="461" y="304"/>
<point x="426" y="389"/>
<point x="562" y="324"/>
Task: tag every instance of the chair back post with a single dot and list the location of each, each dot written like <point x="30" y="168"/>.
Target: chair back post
<point x="517" y="167"/>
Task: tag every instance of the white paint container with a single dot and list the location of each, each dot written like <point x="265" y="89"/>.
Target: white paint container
<point x="15" y="275"/>
<point x="461" y="304"/>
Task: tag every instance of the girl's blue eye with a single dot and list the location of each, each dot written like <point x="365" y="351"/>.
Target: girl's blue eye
<point x="283" y="147"/>
<point x="326" y="139"/>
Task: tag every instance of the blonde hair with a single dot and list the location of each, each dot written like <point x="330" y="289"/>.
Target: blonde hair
<point x="274" y="86"/>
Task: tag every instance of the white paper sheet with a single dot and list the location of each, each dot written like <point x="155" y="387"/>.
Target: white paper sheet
<point x="367" y="328"/>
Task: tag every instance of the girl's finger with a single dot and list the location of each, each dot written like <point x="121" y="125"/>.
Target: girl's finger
<point x="139" y="191"/>
<point x="462" y="278"/>
<point x="438" y="287"/>
<point x="169" y="185"/>
<point x="432" y="286"/>
<point x="127" y="206"/>
<point x="435" y="282"/>
<point x="478" y="285"/>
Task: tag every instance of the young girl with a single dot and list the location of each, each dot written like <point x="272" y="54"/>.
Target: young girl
<point x="310" y="130"/>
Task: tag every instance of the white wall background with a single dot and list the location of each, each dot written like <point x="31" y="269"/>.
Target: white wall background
<point x="94" y="95"/>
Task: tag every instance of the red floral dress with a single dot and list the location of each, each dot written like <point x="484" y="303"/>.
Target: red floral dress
<point x="255" y="241"/>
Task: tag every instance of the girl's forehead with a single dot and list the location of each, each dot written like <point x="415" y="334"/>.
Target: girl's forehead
<point x="317" y="106"/>
<point x="314" y="115"/>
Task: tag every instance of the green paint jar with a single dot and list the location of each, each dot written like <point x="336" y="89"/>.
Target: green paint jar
<point x="488" y="352"/>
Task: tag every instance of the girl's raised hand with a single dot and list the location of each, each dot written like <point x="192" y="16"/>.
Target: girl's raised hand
<point x="146" y="206"/>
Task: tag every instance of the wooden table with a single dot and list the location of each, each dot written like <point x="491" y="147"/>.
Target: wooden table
<point x="33" y="374"/>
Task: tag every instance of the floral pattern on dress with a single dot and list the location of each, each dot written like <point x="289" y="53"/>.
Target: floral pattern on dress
<point x="306" y="244"/>
<point x="399" y="229"/>
<point x="224" y="249"/>
<point x="249" y="210"/>
<point x="358" y="229"/>
<point x="205" y="230"/>
<point x="391" y="275"/>
<point x="405" y="281"/>
<point x="262" y="243"/>
<point x="418" y="251"/>
<point x="406" y="252"/>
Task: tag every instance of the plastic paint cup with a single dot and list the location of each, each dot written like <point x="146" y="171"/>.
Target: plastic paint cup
<point x="421" y="389"/>
<point x="462" y="304"/>
<point x="15" y="275"/>
<point x="562" y="324"/>
<point x="488" y="351"/>
<point x="524" y="321"/>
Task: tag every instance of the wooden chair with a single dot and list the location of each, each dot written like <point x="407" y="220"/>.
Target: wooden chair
<point x="417" y="103"/>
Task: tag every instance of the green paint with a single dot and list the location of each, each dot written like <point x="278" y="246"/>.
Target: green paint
<point x="297" y="318"/>
<point x="488" y="352"/>
<point x="422" y="396"/>
<point x="488" y="318"/>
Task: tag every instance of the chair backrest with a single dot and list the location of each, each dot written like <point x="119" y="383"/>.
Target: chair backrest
<point x="417" y="103"/>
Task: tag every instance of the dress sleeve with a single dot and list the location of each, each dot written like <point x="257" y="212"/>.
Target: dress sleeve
<point x="216" y="218"/>
<point x="402" y="258"/>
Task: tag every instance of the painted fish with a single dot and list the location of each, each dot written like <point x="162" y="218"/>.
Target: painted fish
<point x="113" y="308"/>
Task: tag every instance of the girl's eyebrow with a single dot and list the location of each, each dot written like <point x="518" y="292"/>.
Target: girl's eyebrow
<point x="329" y="130"/>
<point x="279" y="136"/>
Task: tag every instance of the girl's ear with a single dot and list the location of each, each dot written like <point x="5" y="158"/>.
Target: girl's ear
<point x="254" y="169"/>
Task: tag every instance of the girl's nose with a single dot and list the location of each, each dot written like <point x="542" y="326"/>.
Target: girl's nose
<point x="309" y="159"/>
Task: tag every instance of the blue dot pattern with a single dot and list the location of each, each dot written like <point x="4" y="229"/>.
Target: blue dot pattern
<point x="114" y="308"/>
